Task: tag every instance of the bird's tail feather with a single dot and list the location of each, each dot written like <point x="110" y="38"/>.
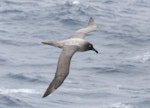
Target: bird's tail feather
<point x="52" y="43"/>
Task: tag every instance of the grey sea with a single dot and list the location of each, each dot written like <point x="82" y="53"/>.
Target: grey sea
<point x="117" y="77"/>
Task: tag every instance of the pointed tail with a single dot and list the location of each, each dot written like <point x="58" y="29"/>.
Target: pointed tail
<point x="52" y="43"/>
<point x="49" y="43"/>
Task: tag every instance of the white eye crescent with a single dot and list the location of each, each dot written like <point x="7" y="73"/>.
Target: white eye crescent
<point x="90" y="45"/>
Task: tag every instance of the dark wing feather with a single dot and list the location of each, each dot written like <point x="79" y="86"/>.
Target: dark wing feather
<point x="62" y="68"/>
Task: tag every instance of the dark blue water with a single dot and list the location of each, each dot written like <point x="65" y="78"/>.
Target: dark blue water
<point x="117" y="77"/>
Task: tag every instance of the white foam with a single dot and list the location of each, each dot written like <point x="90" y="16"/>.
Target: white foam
<point x="121" y="105"/>
<point x="75" y="2"/>
<point x="142" y="57"/>
<point x="21" y="90"/>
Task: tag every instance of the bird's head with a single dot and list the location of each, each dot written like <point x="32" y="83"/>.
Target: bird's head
<point x="89" y="46"/>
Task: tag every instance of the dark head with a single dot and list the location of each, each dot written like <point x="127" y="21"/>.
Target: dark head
<point x="89" y="46"/>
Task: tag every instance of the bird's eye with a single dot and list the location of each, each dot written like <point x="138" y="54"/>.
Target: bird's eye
<point x="90" y="45"/>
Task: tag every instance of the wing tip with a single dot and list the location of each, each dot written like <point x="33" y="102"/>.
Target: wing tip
<point x="44" y="96"/>
<point x="91" y="21"/>
<point x="48" y="92"/>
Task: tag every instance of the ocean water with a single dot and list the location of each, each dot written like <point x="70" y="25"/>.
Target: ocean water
<point x="117" y="77"/>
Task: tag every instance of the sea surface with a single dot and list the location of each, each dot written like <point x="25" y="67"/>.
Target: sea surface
<point x="117" y="77"/>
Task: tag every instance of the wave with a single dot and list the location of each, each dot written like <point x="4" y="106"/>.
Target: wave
<point x="22" y="77"/>
<point x="2" y="61"/>
<point x="8" y="101"/>
<point x="109" y="70"/>
<point x="72" y="3"/>
<point x="9" y="42"/>
<point x="20" y="90"/>
<point x="71" y="10"/>
<point x="19" y="3"/>
<point x="18" y="43"/>
<point x="121" y="105"/>
<point x="6" y="11"/>
<point x="144" y="57"/>
<point x="145" y="103"/>
<point x="70" y="21"/>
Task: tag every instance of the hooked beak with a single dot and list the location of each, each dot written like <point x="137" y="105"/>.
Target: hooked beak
<point x="95" y="50"/>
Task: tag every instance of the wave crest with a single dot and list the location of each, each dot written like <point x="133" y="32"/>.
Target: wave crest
<point x="20" y="90"/>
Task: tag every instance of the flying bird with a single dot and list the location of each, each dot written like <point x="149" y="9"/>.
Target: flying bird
<point x="75" y="43"/>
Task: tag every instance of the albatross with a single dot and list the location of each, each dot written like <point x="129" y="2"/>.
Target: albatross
<point x="75" y="43"/>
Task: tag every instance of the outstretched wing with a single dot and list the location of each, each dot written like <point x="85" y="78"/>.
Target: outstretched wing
<point x="62" y="68"/>
<point x="81" y="32"/>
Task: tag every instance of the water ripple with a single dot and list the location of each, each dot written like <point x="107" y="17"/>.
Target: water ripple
<point x="24" y="78"/>
<point x="12" y="102"/>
